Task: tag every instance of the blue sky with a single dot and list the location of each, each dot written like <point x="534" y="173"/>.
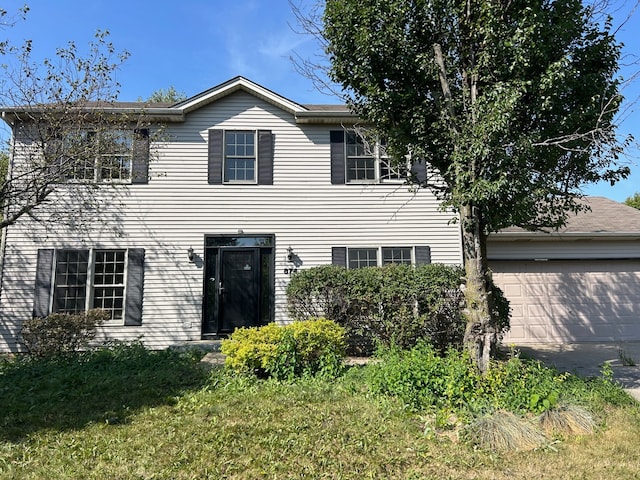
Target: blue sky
<point x="196" y="44"/>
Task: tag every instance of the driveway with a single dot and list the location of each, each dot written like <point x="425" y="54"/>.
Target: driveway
<point x="586" y="359"/>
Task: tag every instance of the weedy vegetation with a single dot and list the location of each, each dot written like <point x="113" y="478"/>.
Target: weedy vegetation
<point x="122" y="411"/>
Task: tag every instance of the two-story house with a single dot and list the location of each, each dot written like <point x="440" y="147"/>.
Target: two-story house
<point x="197" y="230"/>
<point x="207" y="222"/>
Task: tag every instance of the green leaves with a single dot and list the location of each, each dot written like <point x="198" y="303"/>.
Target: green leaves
<point x="633" y="200"/>
<point x="393" y="304"/>
<point x="533" y="90"/>
<point x="312" y="347"/>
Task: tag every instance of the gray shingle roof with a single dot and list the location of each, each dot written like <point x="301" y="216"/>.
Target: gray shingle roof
<point x="606" y="217"/>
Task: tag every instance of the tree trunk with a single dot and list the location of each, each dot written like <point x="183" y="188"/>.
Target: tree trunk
<point x="480" y="337"/>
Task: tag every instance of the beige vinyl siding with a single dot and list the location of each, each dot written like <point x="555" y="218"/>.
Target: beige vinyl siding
<point x="562" y="249"/>
<point x="178" y="208"/>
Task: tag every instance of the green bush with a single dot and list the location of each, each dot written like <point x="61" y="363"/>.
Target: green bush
<point x="422" y="379"/>
<point x="312" y="347"/>
<point x="522" y="386"/>
<point x="393" y="304"/>
<point x="61" y="333"/>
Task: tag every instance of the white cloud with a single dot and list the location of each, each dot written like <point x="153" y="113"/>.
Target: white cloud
<point x="282" y="44"/>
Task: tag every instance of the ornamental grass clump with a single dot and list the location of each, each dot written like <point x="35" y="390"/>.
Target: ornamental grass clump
<point x="567" y="420"/>
<point x="303" y="348"/>
<point x="504" y="431"/>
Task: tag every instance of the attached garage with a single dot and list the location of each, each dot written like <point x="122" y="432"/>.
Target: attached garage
<point x="581" y="284"/>
<point x="567" y="301"/>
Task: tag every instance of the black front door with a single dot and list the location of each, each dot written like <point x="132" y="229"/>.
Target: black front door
<point x="239" y="289"/>
<point x="238" y="283"/>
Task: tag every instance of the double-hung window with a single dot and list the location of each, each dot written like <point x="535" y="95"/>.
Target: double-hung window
<point x="85" y="280"/>
<point x="356" y="160"/>
<point x="76" y="280"/>
<point x="397" y="255"/>
<point x="103" y="156"/>
<point x="362" y="257"/>
<point x="369" y="257"/>
<point x="240" y="156"/>
<point x="361" y="163"/>
<point x="115" y="156"/>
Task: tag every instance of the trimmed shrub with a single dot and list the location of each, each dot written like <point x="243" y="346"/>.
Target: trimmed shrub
<point x="61" y="333"/>
<point x="312" y="347"/>
<point x="389" y="305"/>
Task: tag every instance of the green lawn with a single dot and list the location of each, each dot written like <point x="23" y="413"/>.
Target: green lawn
<point x="136" y="414"/>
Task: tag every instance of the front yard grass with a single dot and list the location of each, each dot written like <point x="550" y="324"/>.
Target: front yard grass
<point x="134" y="414"/>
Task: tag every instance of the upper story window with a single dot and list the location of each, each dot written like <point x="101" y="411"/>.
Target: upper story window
<point x="115" y="155"/>
<point x="240" y="156"/>
<point x="354" y="160"/>
<point x="103" y="156"/>
<point x="360" y="164"/>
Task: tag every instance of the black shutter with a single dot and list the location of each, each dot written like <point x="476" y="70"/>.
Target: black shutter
<point x="339" y="256"/>
<point x="419" y="171"/>
<point x="135" y="286"/>
<point x="44" y="277"/>
<point x="423" y="254"/>
<point x="216" y="139"/>
<point x="265" y="157"/>
<point x="336" y="137"/>
<point x="140" y="164"/>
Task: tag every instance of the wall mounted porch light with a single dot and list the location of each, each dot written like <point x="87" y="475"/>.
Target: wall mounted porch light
<point x="290" y="254"/>
<point x="190" y="254"/>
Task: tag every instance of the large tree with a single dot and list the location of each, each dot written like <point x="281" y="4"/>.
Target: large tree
<point x="512" y="102"/>
<point x="59" y="128"/>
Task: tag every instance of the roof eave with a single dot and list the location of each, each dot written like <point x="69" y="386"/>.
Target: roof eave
<point x="165" y="114"/>
<point x="326" y="117"/>
<point x="542" y="236"/>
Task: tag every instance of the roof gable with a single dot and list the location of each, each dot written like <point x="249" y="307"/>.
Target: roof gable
<point x="176" y="112"/>
<point x="234" y="85"/>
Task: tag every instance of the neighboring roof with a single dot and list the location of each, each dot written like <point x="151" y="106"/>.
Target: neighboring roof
<point x="176" y="112"/>
<point x="605" y="219"/>
<point x="327" y="108"/>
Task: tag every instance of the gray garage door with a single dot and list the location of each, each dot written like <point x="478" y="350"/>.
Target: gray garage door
<point x="571" y="301"/>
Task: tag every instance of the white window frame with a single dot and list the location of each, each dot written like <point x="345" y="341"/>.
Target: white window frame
<point x="379" y="158"/>
<point x="379" y="254"/>
<point x="94" y="136"/>
<point x="90" y="282"/>
<point x="226" y="157"/>
<point x="412" y="255"/>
